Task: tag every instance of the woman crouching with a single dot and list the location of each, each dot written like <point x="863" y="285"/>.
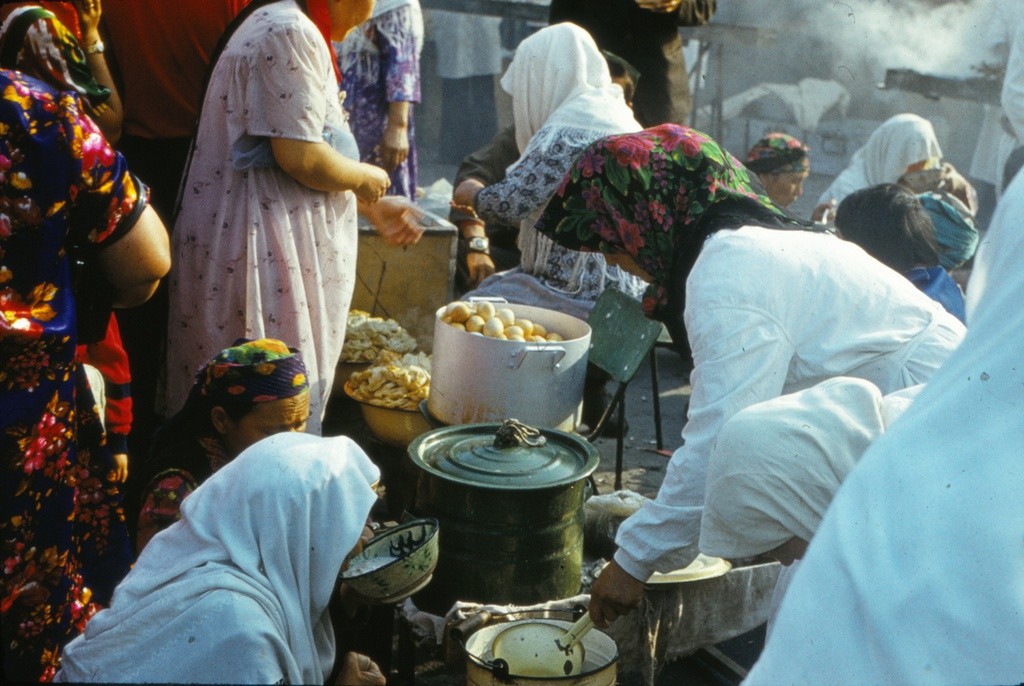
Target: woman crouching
<point x="249" y="391"/>
<point x="237" y="591"/>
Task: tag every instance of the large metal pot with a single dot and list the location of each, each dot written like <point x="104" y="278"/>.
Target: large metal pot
<point x="599" y="659"/>
<point x="512" y="516"/>
<point x="477" y="379"/>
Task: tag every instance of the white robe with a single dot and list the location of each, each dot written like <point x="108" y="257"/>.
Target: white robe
<point x="1013" y="86"/>
<point x="771" y="312"/>
<point x="237" y="590"/>
<point x="915" y="574"/>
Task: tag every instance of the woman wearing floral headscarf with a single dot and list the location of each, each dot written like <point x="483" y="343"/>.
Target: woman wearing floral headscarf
<point x="781" y="164"/>
<point x="247" y="392"/>
<point x="767" y="307"/>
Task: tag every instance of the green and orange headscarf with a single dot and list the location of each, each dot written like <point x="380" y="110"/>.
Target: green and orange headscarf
<point x="644" y="194"/>
<point x="253" y="372"/>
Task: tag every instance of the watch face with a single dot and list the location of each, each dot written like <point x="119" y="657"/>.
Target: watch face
<point x="478" y="243"/>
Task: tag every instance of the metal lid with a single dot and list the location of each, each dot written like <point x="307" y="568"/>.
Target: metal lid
<point x="468" y="454"/>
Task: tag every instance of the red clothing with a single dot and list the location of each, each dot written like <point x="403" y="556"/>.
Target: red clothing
<point x="162" y="50"/>
<point x="109" y="357"/>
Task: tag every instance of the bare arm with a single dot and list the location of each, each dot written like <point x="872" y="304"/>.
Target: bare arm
<point x="320" y="167"/>
<point x="394" y="146"/>
<point x="135" y="264"/>
<point x="396" y="219"/>
<point x="109" y="121"/>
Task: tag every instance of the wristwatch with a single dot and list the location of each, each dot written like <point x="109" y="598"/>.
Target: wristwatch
<point x="479" y="244"/>
<point x="94" y="49"/>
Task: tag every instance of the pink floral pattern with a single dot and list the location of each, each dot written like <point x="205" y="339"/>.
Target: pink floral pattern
<point x="62" y="534"/>
<point x="641" y="194"/>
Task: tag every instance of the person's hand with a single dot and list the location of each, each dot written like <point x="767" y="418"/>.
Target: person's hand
<point x="660" y="6"/>
<point x="480" y="266"/>
<point x="120" y="474"/>
<point x="359" y="670"/>
<point x="394" y="145"/>
<point x="374" y="184"/>
<point x="824" y="213"/>
<point x="89" y="12"/>
<point x="397" y="220"/>
<point x="614" y="594"/>
<point x="990" y="70"/>
<point x="465" y="192"/>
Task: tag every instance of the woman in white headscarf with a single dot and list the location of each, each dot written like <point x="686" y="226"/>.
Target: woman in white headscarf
<point x="563" y="99"/>
<point x="237" y="590"/>
<point x="776" y="465"/>
<point x="904" y="143"/>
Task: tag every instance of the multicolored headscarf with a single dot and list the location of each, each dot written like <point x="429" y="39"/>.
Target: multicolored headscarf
<point x="778" y="153"/>
<point x="253" y="371"/>
<point x="643" y="194"/>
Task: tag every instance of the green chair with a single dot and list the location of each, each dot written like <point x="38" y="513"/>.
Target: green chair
<point x="621" y="337"/>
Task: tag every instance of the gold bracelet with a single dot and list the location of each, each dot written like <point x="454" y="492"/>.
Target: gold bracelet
<point x="465" y="209"/>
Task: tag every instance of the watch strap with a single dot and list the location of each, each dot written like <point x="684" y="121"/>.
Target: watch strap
<point x="478" y="244"/>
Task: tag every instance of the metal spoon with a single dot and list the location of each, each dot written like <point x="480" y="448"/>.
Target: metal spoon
<point x="539" y="649"/>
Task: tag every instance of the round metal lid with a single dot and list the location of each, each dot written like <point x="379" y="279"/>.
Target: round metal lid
<point x="467" y="454"/>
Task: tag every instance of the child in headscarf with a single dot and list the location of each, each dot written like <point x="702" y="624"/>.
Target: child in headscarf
<point x="892" y="226"/>
<point x="247" y="392"/>
<point x="767" y="308"/>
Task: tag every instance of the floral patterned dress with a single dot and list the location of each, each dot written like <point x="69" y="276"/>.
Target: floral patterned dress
<point x="62" y="533"/>
<point x="380" y="64"/>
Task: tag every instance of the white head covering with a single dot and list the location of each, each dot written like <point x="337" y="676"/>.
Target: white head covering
<point x="558" y="76"/>
<point x="562" y="92"/>
<point x="776" y="465"/>
<point x="915" y="574"/>
<point x="237" y="591"/>
<point x="898" y="143"/>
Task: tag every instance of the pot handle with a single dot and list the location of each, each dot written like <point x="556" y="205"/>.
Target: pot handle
<point x="556" y="352"/>
<point x="462" y="630"/>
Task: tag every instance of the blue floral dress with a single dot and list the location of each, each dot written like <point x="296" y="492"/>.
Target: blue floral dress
<point x="380" y="64"/>
<point x="62" y="533"/>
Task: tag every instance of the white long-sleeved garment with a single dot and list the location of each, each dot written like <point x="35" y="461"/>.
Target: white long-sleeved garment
<point x="1013" y="86"/>
<point x="914" y="575"/>
<point x="771" y="312"/>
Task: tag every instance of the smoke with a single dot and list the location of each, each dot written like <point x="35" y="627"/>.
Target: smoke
<point x="869" y="36"/>
<point x="854" y="42"/>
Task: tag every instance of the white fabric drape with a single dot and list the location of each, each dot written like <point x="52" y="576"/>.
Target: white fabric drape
<point x="776" y="465"/>
<point x="559" y="77"/>
<point x="914" y="576"/>
<point x="237" y="591"/>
